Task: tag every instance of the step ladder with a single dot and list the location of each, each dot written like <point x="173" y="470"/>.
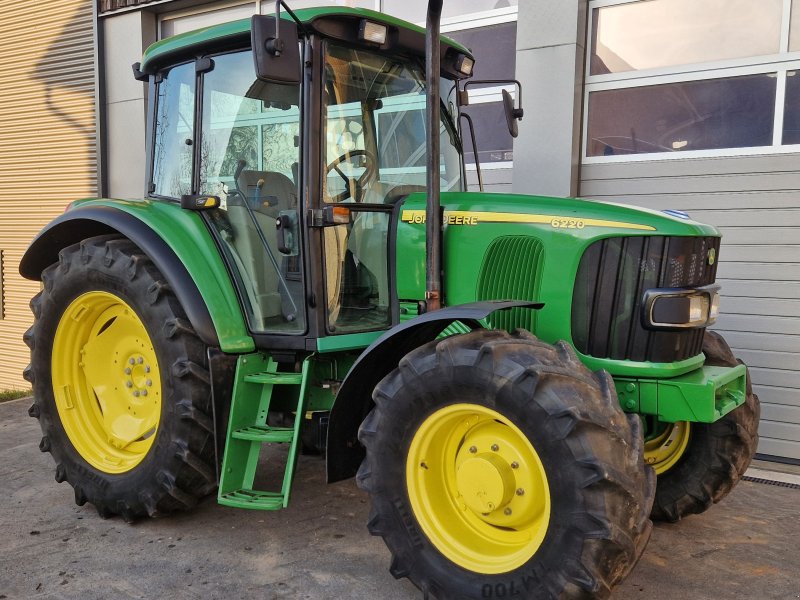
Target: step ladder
<point x="256" y="378"/>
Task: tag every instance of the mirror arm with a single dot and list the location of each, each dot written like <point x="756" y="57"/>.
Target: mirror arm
<point x="474" y="149"/>
<point x="518" y="112"/>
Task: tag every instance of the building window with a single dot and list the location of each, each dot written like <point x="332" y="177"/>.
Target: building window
<point x="494" y="47"/>
<point x="415" y="10"/>
<point x="691" y="78"/>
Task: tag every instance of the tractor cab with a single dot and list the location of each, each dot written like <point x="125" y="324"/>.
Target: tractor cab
<point x="308" y="173"/>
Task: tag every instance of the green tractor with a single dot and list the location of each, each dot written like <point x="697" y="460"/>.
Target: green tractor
<point x="520" y="383"/>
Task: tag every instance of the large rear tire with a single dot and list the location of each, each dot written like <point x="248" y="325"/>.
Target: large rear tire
<point x="703" y="462"/>
<point x="120" y="382"/>
<point x="499" y="466"/>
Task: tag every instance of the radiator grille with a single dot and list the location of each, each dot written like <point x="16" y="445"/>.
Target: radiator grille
<point x="511" y="270"/>
<point x="612" y="278"/>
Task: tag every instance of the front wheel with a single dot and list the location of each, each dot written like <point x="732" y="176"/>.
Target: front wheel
<point x="698" y="464"/>
<point x="499" y="466"/>
<point x="120" y="382"/>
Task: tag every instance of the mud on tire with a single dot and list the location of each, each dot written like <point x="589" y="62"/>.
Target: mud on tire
<point x="718" y="453"/>
<point x="177" y="470"/>
<point x="591" y="452"/>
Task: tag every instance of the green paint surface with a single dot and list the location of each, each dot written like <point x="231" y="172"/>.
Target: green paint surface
<point x="241" y="29"/>
<point x="704" y="395"/>
<point x="564" y="226"/>
<point x="186" y="234"/>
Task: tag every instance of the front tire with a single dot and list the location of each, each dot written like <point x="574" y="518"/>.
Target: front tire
<point x="705" y="460"/>
<point x="120" y="382"/>
<point x="499" y="466"/>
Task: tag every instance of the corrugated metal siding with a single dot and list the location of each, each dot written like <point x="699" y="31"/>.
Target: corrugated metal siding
<point x="755" y="202"/>
<point x="47" y="142"/>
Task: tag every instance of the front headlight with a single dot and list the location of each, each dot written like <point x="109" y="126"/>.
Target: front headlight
<point x="680" y="308"/>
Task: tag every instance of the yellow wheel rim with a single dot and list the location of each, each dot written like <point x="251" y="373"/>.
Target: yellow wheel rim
<point x="106" y="382"/>
<point x="664" y="450"/>
<point x="478" y="488"/>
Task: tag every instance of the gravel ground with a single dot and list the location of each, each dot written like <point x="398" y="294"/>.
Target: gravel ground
<point x="318" y="548"/>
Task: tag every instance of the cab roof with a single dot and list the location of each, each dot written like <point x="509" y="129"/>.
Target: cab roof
<point x="234" y="33"/>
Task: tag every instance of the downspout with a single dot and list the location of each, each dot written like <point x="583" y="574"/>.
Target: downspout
<point x="433" y="213"/>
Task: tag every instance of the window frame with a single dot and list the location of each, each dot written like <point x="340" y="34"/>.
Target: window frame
<point x="779" y="64"/>
<point x="489" y="94"/>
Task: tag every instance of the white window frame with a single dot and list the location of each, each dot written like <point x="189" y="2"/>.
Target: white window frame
<point x="779" y="64"/>
<point x="491" y="94"/>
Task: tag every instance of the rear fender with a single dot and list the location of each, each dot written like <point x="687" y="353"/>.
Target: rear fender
<point x="176" y="241"/>
<point x="354" y="399"/>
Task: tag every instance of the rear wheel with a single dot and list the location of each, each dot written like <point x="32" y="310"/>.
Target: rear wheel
<point x="698" y="464"/>
<point x="120" y="382"/>
<point x="499" y="466"/>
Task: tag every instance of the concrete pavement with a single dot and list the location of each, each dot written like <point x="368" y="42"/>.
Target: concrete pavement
<point x="747" y="547"/>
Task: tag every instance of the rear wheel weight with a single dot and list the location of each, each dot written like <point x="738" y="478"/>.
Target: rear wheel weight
<point x="469" y="406"/>
<point x="120" y="382"/>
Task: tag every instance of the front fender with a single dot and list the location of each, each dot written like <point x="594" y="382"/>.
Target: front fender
<point x="354" y="399"/>
<point x="179" y="244"/>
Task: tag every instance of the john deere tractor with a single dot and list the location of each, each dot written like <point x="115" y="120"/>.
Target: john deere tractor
<point x="520" y="383"/>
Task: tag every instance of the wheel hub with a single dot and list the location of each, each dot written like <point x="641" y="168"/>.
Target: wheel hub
<point x="665" y="447"/>
<point x="478" y="488"/>
<point x="485" y="483"/>
<point x="106" y="381"/>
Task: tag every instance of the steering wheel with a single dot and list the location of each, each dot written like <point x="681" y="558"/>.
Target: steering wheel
<point x="350" y="184"/>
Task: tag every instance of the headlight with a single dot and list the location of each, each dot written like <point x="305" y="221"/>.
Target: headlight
<point x="679" y="308"/>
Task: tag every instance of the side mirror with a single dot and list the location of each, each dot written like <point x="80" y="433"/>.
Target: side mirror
<point x="512" y="114"/>
<point x="276" y="49"/>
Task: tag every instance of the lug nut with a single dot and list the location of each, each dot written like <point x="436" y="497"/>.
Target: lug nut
<point x="129" y="384"/>
<point x="131" y="361"/>
<point x="144" y="392"/>
<point x="520" y="492"/>
<point x="495" y="447"/>
<point x="127" y="370"/>
<point x="473" y="449"/>
<point x="135" y="393"/>
<point x="147" y="368"/>
<point x="141" y="360"/>
<point x="515" y="465"/>
<point x="507" y="512"/>
<point x="149" y="382"/>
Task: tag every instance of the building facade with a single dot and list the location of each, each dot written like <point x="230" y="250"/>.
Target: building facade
<point x="667" y="104"/>
<point x="47" y="144"/>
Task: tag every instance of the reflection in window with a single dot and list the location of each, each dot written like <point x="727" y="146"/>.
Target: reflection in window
<point x="356" y="273"/>
<point x="248" y="156"/>
<point x="174" y="134"/>
<point x="736" y="112"/>
<point x="794" y="27"/>
<point x="415" y="10"/>
<point x="495" y="143"/>
<point x="662" y="33"/>
<point x="791" y="112"/>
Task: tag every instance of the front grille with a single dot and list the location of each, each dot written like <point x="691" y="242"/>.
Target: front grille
<point x="512" y="270"/>
<point x="612" y="278"/>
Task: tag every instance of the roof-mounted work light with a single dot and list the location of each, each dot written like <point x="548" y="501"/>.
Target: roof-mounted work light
<point x="372" y="32"/>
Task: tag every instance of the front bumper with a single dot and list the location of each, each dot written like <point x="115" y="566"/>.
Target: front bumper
<point x="704" y="395"/>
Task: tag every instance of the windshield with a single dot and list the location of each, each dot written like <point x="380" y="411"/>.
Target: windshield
<point x="375" y="125"/>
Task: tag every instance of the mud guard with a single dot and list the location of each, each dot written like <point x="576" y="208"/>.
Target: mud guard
<point x="81" y="223"/>
<point x="354" y="399"/>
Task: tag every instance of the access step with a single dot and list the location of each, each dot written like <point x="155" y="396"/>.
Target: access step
<point x="265" y="433"/>
<point x="270" y="377"/>
<point x="253" y="499"/>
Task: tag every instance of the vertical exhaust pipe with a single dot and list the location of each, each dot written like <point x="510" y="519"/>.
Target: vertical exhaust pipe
<point x="433" y="213"/>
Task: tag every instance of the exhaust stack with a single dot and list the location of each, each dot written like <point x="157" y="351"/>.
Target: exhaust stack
<point x="433" y="213"/>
